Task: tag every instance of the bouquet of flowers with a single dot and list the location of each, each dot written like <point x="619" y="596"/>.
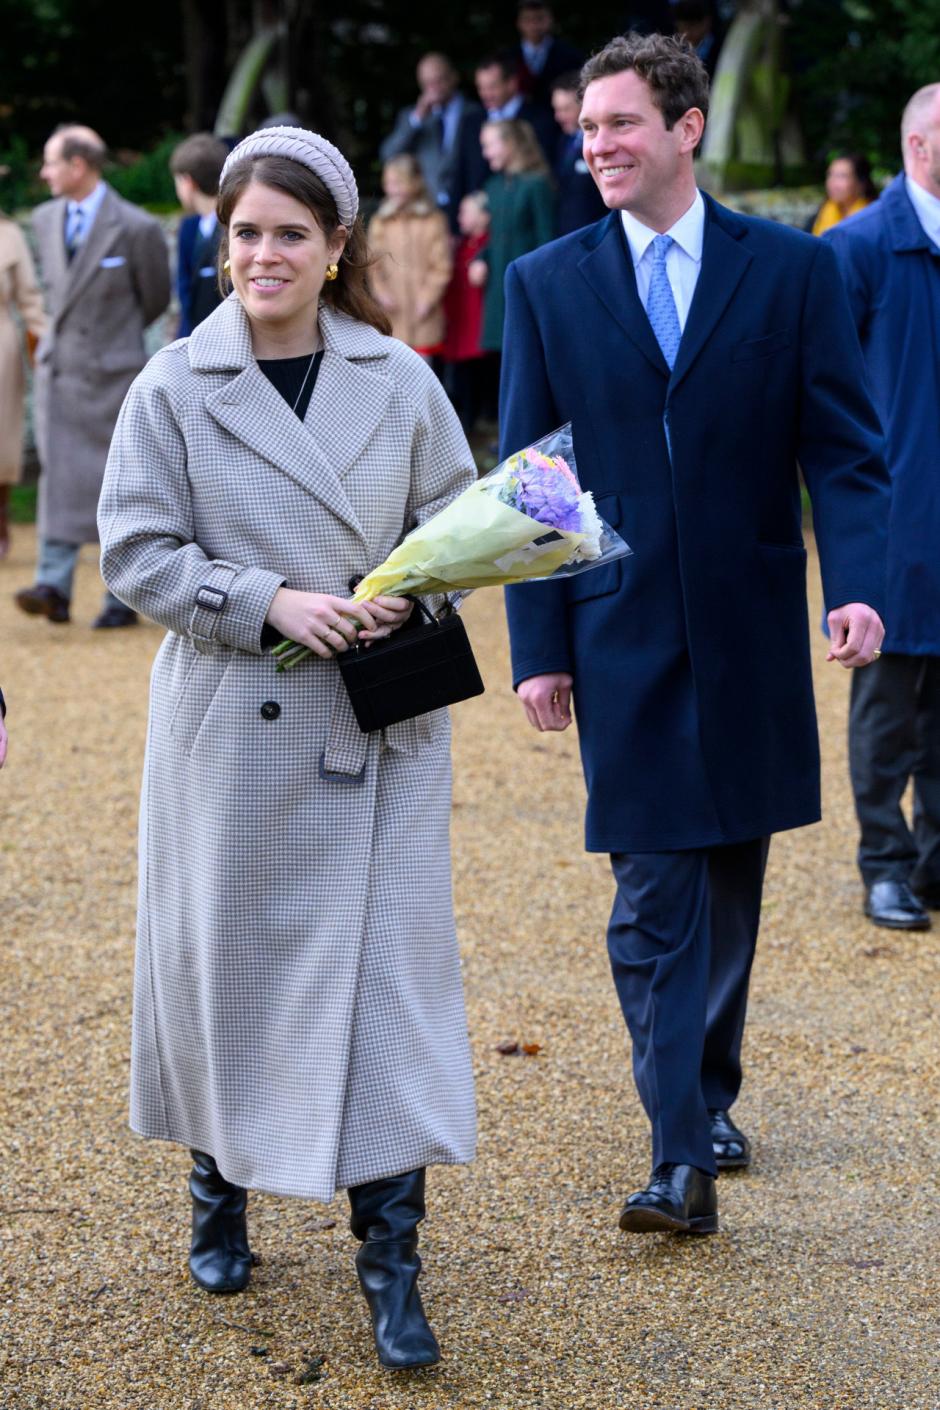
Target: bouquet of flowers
<point x="527" y="519"/>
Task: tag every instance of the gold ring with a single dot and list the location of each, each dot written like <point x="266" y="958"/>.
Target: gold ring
<point x="875" y="655"/>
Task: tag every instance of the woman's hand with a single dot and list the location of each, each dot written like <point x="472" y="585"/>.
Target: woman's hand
<point x="325" y="624"/>
<point x="478" y="272"/>
<point x="390" y="613"/>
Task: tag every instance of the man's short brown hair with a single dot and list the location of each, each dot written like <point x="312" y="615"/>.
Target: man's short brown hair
<point x="200" y="157"/>
<point x="79" y="141"/>
<point x="677" y="78"/>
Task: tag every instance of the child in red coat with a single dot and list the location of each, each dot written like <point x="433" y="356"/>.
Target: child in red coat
<point x="469" y="371"/>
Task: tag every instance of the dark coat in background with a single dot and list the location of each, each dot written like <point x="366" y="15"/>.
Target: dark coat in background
<point x="562" y="58"/>
<point x="691" y="659"/>
<point x="578" y="201"/>
<point x="892" y="272"/>
<point x="197" y="282"/>
<point x="450" y="172"/>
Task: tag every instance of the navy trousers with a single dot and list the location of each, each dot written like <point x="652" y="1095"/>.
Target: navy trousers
<point x="681" y="942"/>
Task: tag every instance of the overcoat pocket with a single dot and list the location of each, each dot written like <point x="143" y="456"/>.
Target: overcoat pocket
<point x="761" y="347"/>
<point x="199" y="689"/>
<point x="599" y="582"/>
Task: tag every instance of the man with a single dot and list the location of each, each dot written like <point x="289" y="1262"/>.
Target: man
<point x="700" y="356"/>
<point x="695" y="21"/>
<point x="442" y="130"/>
<point x="498" y="87"/>
<point x="106" y="275"/>
<point x="579" y="202"/>
<point x="196" y="165"/>
<point x="540" y="56"/>
<point x="890" y="258"/>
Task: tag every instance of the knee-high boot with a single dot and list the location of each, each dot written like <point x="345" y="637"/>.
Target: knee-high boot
<point x="385" y="1216"/>
<point x="220" y="1259"/>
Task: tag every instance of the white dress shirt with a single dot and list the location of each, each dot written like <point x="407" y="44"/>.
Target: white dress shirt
<point x="683" y="260"/>
<point x="927" y="209"/>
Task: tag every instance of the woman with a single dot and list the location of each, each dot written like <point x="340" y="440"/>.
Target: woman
<point x="298" y="1014"/>
<point x="410" y="240"/>
<point x="849" y="188"/>
<point x="522" y="205"/>
<point x="18" y="290"/>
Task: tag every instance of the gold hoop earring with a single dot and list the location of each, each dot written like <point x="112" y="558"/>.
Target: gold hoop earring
<point x="332" y="272"/>
<point x="227" y="266"/>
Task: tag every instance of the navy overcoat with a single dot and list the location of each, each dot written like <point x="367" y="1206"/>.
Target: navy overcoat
<point x="691" y="660"/>
<point x="892" y="271"/>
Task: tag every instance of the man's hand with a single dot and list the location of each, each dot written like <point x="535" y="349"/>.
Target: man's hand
<point x="547" y="701"/>
<point x="855" y="635"/>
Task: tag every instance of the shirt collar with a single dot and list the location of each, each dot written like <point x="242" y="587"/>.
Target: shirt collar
<point x="89" y="206"/>
<point x="508" y="110"/>
<point x="926" y="208"/>
<point x="688" y="232"/>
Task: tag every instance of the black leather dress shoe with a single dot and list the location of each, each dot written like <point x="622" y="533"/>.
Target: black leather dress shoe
<point x="732" y="1148"/>
<point x="893" y="904"/>
<point x="115" y="617"/>
<point x="43" y="601"/>
<point x="679" y="1198"/>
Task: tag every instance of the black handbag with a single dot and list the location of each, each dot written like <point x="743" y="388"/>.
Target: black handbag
<point x="420" y="667"/>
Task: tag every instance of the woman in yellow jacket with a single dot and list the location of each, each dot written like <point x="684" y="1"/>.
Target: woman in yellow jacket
<point x="411" y="242"/>
<point x="849" y="188"/>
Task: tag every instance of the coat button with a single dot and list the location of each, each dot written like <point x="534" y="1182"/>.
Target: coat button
<point x="270" y="710"/>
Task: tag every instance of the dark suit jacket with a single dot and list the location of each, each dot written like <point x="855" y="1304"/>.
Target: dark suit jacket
<point x="578" y="201"/>
<point x="562" y="58"/>
<point x="197" y="291"/>
<point x="892" y="272"/>
<point x="450" y="173"/>
<point x="691" y="659"/>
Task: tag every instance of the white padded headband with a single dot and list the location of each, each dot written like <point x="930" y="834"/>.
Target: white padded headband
<point x="311" y="150"/>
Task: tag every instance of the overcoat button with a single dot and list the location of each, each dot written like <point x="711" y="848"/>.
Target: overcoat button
<point x="270" y="710"/>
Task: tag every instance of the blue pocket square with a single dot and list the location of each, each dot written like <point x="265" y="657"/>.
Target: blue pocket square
<point x="112" y="262"/>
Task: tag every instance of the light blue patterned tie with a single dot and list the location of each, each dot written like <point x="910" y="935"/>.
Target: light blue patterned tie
<point x="660" y="304"/>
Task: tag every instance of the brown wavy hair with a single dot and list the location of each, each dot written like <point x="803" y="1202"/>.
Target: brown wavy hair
<point x="350" y="293"/>
<point x="677" y="78"/>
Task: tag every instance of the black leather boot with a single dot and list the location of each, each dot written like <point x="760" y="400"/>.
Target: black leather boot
<point x="385" y="1216"/>
<point x="220" y="1259"/>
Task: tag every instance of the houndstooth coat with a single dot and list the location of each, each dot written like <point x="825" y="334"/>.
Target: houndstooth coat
<point x="298" y="1005"/>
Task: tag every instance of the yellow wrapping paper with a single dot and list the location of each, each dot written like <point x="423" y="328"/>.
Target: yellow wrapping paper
<point x="475" y="542"/>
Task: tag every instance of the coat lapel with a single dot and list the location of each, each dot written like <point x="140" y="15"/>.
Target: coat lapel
<point x="724" y="261"/>
<point x="52" y="248"/>
<point x="319" y="453"/>
<point x="608" y="270"/>
<point x="102" y="237"/>
<point x="906" y="231"/>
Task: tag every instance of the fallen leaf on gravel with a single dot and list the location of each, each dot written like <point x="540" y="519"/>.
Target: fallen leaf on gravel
<point x="530" y="1049"/>
<point x="312" y="1372"/>
<point x="508" y="1047"/>
<point x="319" y="1226"/>
<point x="280" y="1368"/>
<point x="876" y="951"/>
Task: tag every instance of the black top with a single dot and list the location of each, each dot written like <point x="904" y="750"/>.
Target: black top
<point x="287" y="374"/>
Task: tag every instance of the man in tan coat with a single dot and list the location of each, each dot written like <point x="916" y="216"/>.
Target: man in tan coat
<point x="106" y="276"/>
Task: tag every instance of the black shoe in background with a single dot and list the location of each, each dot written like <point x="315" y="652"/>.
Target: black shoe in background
<point x="115" y="617"/>
<point x="42" y="600"/>
<point x="732" y="1148"/>
<point x="893" y="904"/>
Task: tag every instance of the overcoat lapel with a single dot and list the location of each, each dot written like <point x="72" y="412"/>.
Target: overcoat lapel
<point x="52" y="250"/>
<point x="319" y="453"/>
<point x="724" y="261"/>
<point x="102" y="237"/>
<point x="608" y="270"/>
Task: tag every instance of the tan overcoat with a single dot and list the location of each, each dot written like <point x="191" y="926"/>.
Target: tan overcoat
<point x="19" y="291"/>
<point x="412" y="270"/>
<point x="298" y="1008"/>
<point x="99" y="305"/>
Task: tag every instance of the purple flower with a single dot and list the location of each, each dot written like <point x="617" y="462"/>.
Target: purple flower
<point x="550" y="497"/>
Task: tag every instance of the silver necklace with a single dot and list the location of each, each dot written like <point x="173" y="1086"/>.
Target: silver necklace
<point x="304" y="382"/>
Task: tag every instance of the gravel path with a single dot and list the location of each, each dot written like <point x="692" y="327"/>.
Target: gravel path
<point x="820" y="1291"/>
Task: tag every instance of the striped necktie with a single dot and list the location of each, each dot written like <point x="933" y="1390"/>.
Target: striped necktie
<point x="73" y="233"/>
